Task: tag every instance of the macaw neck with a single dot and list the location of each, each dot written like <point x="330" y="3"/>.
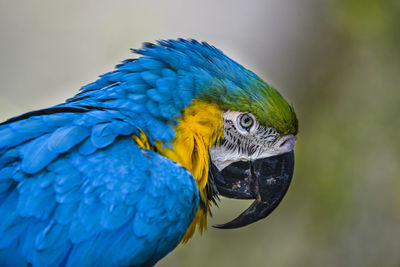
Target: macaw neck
<point x="197" y="131"/>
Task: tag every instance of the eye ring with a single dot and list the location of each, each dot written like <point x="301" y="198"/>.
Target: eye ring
<point x="246" y="121"/>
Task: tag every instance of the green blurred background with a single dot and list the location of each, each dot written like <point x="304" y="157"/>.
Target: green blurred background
<point x="338" y="62"/>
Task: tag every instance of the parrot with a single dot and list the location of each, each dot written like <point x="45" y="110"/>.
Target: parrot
<point x="129" y="168"/>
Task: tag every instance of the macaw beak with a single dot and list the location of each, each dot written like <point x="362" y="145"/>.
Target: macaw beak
<point x="265" y="180"/>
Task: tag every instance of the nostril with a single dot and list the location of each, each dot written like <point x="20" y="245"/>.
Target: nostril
<point x="287" y="143"/>
<point x="283" y="143"/>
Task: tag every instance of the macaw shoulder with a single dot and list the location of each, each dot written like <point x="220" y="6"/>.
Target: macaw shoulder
<point x="197" y="131"/>
<point x="77" y="195"/>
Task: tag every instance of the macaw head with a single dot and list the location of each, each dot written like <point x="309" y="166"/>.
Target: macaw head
<point x="254" y="159"/>
<point x="231" y="130"/>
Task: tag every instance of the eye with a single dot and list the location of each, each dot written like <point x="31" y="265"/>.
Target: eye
<point x="246" y="121"/>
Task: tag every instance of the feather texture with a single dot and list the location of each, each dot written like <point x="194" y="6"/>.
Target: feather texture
<point x="76" y="206"/>
<point x="77" y="190"/>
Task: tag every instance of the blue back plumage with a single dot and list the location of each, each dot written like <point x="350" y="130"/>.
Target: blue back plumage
<point x="76" y="190"/>
<point x="70" y="197"/>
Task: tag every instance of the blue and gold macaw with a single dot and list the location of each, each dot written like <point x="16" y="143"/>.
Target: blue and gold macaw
<point x="125" y="170"/>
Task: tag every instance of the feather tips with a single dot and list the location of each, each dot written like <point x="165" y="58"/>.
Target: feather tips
<point x="76" y="206"/>
<point x="82" y="179"/>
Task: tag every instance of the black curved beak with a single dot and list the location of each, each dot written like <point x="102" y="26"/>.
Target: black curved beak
<point x="265" y="180"/>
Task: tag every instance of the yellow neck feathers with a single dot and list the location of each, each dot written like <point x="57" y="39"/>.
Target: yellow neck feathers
<point x="197" y="131"/>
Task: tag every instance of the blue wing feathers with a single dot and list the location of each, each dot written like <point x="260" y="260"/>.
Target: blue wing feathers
<point x="87" y="147"/>
<point x="150" y="77"/>
<point x="74" y="187"/>
<point x="36" y="154"/>
<point x="53" y="214"/>
<point x="166" y="85"/>
<point x="8" y="156"/>
<point x="155" y="95"/>
<point x="122" y="128"/>
<point x="102" y="135"/>
<point x="138" y="98"/>
<point x="6" y="179"/>
<point x="52" y="236"/>
<point x="69" y="196"/>
<point x="137" y="88"/>
<point x="63" y="212"/>
<point x="36" y="202"/>
<point x="66" y="137"/>
<point x="11" y="225"/>
<point x="133" y="78"/>
<point x="152" y="109"/>
<point x="151" y="64"/>
<point x="15" y="134"/>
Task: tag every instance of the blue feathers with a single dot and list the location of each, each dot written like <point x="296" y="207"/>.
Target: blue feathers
<point x="36" y="154"/>
<point x="160" y="85"/>
<point x="76" y="190"/>
<point x="102" y="135"/>
<point x="150" y="77"/>
<point x="116" y="196"/>
<point x="66" y="137"/>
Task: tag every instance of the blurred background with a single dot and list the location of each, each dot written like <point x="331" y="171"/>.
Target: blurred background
<point x="338" y="62"/>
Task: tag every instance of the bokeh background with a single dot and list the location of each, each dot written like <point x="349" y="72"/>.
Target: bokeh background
<point x="338" y="62"/>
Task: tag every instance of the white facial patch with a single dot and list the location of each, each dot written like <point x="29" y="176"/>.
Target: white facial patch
<point x="246" y="140"/>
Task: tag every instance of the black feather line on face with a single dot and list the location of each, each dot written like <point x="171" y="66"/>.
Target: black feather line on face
<point x="247" y="145"/>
